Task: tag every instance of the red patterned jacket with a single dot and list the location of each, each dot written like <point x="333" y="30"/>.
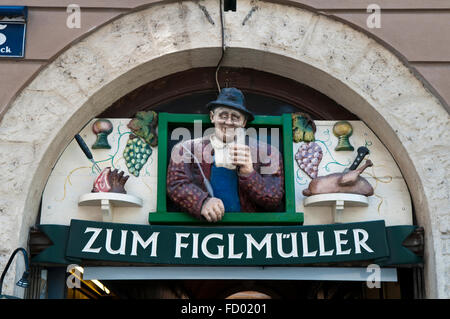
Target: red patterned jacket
<point x="258" y="192"/>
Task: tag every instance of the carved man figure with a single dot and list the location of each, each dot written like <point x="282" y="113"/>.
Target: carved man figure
<point x="219" y="173"/>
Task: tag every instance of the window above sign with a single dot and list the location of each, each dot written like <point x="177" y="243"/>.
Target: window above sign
<point x="168" y="212"/>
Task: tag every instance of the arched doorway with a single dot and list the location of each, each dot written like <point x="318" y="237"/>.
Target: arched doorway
<point x="267" y="94"/>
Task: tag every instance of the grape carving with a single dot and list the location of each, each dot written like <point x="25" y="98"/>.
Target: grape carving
<point x="136" y="154"/>
<point x="308" y="158"/>
<point x="309" y="154"/>
<point x="139" y="146"/>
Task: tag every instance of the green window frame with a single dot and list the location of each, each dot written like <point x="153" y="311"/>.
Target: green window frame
<point x="288" y="217"/>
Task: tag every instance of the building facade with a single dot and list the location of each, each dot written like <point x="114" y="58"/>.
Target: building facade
<point x="393" y="77"/>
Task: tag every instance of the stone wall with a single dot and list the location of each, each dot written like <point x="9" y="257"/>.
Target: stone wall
<point x="341" y="62"/>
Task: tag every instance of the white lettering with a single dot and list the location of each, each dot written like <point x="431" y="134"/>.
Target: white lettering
<point x="286" y="244"/>
<point x="5" y="50"/>
<point x="205" y="250"/>
<point x="294" y="250"/>
<point x="361" y="242"/>
<point x="195" y="245"/>
<point x="123" y="241"/>
<point x="265" y="242"/>
<point x="231" y="253"/>
<point x="179" y="244"/>
<point x="322" y="251"/>
<point x="193" y="309"/>
<point x="153" y="239"/>
<point x="88" y="247"/>
<point x="340" y="242"/>
<point x="306" y="253"/>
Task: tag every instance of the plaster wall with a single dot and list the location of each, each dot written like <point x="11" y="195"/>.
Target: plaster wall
<point x="419" y="30"/>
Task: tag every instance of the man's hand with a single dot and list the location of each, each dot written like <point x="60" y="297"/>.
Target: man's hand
<point x="241" y="156"/>
<point x="213" y="209"/>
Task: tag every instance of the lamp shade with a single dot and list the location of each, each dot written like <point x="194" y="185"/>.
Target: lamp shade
<point x="23" y="282"/>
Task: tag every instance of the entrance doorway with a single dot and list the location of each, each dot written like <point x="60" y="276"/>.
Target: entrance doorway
<point x="252" y="289"/>
<point x="266" y="94"/>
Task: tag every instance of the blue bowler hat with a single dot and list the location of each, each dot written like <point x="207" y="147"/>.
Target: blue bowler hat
<point x="234" y="98"/>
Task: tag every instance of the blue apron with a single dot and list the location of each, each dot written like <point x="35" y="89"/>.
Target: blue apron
<point x="225" y="186"/>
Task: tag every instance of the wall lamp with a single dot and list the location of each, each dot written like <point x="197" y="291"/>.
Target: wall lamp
<point x="23" y="282"/>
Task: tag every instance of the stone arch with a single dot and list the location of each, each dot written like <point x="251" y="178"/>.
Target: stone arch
<point x="323" y="53"/>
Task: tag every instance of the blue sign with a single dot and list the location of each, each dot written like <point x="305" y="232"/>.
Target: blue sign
<point x="12" y="39"/>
